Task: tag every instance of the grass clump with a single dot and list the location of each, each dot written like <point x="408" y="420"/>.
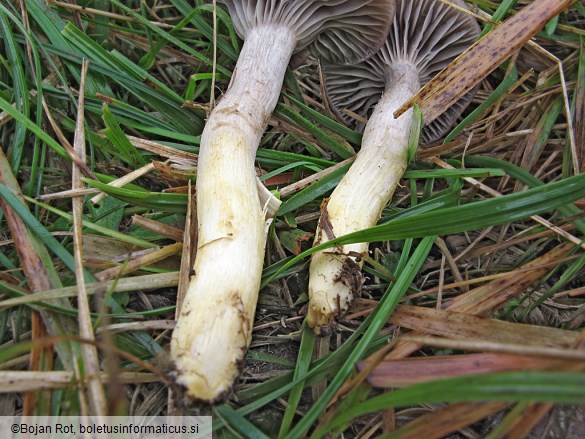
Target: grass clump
<point x="487" y="223"/>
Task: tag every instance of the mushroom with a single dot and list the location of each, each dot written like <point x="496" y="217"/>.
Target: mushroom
<point x="425" y="36"/>
<point x="214" y="326"/>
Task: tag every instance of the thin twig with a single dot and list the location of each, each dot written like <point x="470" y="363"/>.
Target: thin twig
<point x="89" y="353"/>
<point x="214" y="65"/>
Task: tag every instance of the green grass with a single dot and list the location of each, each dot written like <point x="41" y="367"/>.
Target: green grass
<point x="142" y="75"/>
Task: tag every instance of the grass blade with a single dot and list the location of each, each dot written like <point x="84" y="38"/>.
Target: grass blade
<point x="559" y="387"/>
<point x="386" y="306"/>
<point x="302" y="367"/>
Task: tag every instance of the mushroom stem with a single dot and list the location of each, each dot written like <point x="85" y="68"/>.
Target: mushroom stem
<point x="335" y="278"/>
<point x="214" y="327"/>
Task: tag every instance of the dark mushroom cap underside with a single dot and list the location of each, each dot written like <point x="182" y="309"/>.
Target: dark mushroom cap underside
<point x="339" y="31"/>
<point x="428" y="34"/>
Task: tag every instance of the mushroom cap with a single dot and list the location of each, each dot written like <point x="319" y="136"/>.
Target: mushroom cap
<point x="340" y="31"/>
<point x="429" y="34"/>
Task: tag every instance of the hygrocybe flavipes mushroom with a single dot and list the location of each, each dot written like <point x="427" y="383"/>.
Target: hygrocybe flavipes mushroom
<point x="214" y="327"/>
<point x="425" y="36"/>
